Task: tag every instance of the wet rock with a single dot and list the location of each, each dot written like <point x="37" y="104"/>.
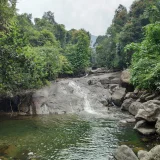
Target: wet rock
<point x="157" y="126"/>
<point x="126" y="104"/>
<point x="153" y="154"/>
<point x="150" y="111"/>
<point x="10" y="150"/>
<point x="145" y="128"/>
<point x="142" y="154"/>
<point x="123" y="121"/>
<point x="133" y="120"/>
<point x="134" y="107"/>
<point x="125" y="153"/>
<point x="118" y="96"/>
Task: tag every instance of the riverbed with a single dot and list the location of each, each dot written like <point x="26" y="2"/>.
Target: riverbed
<point x="68" y="137"/>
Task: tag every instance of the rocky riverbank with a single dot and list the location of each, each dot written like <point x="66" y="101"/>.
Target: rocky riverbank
<point x="98" y="91"/>
<point x="126" y="153"/>
<point x="145" y="107"/>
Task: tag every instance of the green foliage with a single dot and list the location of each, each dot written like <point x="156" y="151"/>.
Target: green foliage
<point x="79" y="54"/>
<point x="33" y="54"/>
<point x="145" y="68"/>
<point x="125" y="29"/>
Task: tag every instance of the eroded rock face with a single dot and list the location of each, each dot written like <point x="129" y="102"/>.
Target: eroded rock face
<point x="125" y="153"/>
<point x="150" y="111"/>
<point x="153" y="154"/>
<point x="144" y="128"/>
<point x="118" y="96"/>
<point x="134" y="107"/>
<point x="126" y="104"/>
<point x="71" y="96"/>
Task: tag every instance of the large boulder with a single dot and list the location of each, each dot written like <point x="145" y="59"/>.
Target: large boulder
<point x="125" y="77"/>
<point x="153" y="154"/>
<point x="125" y="80"/>
<point x="125" y="153"/>
<point x="126" y="104"/>
<point x="144" y="128"/>
<point x="134" y="107"/>
<point x="150" y="111"/>
<point x="118" y="96"/>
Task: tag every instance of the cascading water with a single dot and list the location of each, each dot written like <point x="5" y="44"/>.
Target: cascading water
<point x="81" y="93"/>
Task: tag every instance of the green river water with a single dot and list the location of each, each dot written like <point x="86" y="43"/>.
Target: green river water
<point x="66" y="137"/>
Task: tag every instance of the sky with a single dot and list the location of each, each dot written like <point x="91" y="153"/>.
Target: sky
<point x="94" y="16"/>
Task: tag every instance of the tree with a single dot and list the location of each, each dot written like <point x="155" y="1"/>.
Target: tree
<point x="49" y="16"/>
<point x="145" y="67"/>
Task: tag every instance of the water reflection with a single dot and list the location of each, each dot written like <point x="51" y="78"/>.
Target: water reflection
<point x="65" y="137"/>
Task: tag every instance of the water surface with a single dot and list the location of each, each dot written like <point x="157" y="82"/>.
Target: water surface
<point x="66" y="137"/>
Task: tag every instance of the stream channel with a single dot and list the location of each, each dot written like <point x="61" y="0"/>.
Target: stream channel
<point x="67" y="137"/>
<point x="90" y="132"/>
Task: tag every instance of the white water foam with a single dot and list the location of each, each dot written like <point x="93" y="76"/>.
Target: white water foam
<point x="78" y="91"/>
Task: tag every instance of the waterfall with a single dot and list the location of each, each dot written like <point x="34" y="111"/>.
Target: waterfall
<point x="81" y="93"/>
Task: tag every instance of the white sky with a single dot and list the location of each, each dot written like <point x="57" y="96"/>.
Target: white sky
<point x="93" y="15"/>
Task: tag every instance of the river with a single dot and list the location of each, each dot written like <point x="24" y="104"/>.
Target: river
<point x="67" y="137"/>
<point x="89" y="131"/>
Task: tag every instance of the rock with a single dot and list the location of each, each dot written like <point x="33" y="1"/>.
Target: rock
<point x="113" y="86"/>
<point x="115" y="81"/>
<point x="118" y="96"/>
<point x="157" y="98"/>
<point x="142" y="154"/>
<point x="126" y="104"/>
<point x="92" y="81"/>
<point x="134" y="107"/>
<point x="133" y="120"/>
<point x="157" y="126"/>
<point x="104" y="102"/>
<point x="136" y="91"/>
<point x="150" y="97"/>
<point x="128" y="121"/>
<point x="144" y="128"/>
<point x="11" y="151"/>
<point x="131" y="95"/>
<point x="99" y="70"/>
<point x="144" y="96"/>
<point x="125" y="81"/>
<point x="153" y="154"/>
<point x="104" y="81"/>
<point x="125" y="76"/>
<point x="150" y="111"/>
<point x="125" y="153"/>
<point x="123" y="121"/>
